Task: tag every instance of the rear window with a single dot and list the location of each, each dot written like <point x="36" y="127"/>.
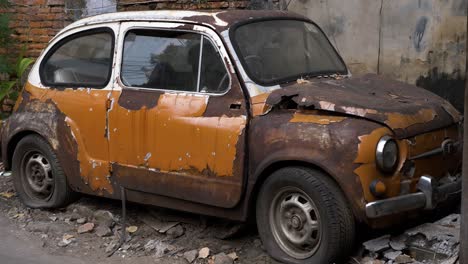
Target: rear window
<point x="81" y="60"/>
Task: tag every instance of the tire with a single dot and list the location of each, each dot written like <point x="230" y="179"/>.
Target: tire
<point x="303" y="217"/>
<point x="38" y="177"/>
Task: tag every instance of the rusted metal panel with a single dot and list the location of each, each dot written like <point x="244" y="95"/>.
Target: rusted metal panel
<point x="404" y="108"/>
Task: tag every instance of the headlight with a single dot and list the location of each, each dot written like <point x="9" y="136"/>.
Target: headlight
<point x="386" y="154"/>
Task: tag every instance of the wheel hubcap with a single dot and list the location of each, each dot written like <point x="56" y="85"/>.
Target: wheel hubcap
<point x="38" y="174"/>
<point x="295" y="223"/>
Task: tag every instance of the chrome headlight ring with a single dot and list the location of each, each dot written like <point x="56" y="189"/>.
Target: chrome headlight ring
<point x="387" y="154"/>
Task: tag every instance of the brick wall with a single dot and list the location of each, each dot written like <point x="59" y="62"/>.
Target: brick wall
<point x="34" y="23"/>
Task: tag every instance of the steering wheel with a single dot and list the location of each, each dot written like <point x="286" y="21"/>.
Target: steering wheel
<point x="255" y="65"/>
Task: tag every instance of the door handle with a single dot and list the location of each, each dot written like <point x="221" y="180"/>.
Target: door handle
<point x="235" y="106"/>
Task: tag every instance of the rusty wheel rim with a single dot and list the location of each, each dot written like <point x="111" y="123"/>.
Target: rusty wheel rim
<point x="295" y="223"/>
<point x="38" y="180"/>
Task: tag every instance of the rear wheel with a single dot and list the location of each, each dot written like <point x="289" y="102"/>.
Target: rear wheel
<point x="303" y="217"/>
<point x="37" y="175"/>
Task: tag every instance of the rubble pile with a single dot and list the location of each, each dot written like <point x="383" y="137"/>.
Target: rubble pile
<point x="91" y="228"/>
<point x="436" y="242"/>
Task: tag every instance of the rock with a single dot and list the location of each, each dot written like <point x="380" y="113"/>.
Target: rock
<point x="157" y="224"/>
<point x="74" y="216"/>
<point x="63" y="243"/>
<point x="402" y="259"/>
<point x="150" y="245"/>
<point x="132" y="229"/>
<point x="398" y="243"/>
<point x="392" y="255"/>
<point x="88" y="227"/>
<point x="378" y="244"/>
<point x="176" y="231"/>
<point x="104" y="217"/>
<point x="103" y="231"/>
<point x="233" y="256"/>
<point x="66" y="240"/>
<point x="222" y="258"/>
<point x="111" y="246"/>
<point x="204" y="253"/>
<point x="368" y="260"/>
<point x="161" y="249"/>
<point x="452" y="220"/>
<point x="81" y="210"/>
<point x="53" y="218"/>
<point x="81" y="220"/>
<point x="191" y="255"/>
<point x="40" y="227"/>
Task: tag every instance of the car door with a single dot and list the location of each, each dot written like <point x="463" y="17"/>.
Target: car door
<point x="178" y="115"/>
<point x="77" y="71"/>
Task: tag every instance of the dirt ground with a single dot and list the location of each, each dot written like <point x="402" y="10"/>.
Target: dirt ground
<point x="89" y="231"/>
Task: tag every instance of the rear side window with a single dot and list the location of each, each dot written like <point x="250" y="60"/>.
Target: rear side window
<point x="172" y="60"/>
<point x="81" y="60"/>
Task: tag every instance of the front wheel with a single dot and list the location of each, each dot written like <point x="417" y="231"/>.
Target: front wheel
<point x="38" y="177"/>
<point x="303" y="217"/>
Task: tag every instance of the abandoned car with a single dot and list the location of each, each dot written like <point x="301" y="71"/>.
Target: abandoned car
<point x="236" y="114"/>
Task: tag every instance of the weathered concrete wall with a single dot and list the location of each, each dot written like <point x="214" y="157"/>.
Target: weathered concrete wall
<point x="417" y="41"/>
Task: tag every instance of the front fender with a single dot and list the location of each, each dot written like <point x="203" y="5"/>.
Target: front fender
<point x="281" y="136"/>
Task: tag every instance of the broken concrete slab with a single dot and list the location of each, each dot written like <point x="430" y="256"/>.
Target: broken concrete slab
<point x="392" y="255"/>
<point x="379" y="244"/>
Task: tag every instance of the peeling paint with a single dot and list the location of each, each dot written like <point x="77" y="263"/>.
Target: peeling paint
<point x="315" y="118"/>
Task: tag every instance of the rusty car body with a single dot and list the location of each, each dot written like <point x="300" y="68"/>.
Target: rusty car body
<point x="211" y="152"/>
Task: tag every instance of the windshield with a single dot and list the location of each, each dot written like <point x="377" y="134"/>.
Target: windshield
<point x="279" y="51"/>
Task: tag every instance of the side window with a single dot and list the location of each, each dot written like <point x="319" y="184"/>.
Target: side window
<point x="172" y="60"/>
<point x="81" y="60"/>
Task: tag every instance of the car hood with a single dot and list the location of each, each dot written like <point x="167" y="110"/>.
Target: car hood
<point x="406" y="109"/>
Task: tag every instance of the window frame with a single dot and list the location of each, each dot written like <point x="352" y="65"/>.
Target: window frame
<point x="67" y="39"/>
<point x="289" y="79"/>
<point x="156" y="28"/>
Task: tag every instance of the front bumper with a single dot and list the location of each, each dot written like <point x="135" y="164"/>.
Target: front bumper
<point x="429" y="194"/>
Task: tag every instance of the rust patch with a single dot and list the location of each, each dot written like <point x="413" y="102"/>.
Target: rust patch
<point x="392" y="103"/>
<point x="85" y="114"/>
<point x="398" y="120"/>
<point x="131" y="99"/>
<point x="315" y="118"/>
<point x="176" y="136"/>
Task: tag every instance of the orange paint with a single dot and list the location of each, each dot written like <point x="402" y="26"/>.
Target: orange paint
<point x="397" y="120"/>
<point x="175" y="136"/>
<point x="368" y="171"/>
<point x="259" y="105"/>
<point x="436" y="166"/>
<point x="86" y="116"/>
<point x="315" y="118"/>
